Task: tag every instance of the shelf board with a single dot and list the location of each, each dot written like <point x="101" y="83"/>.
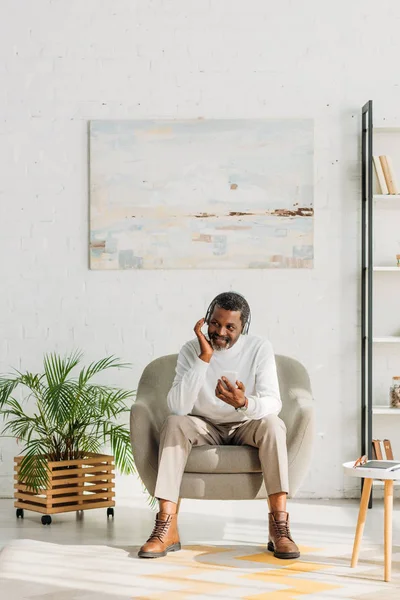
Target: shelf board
<point x="387" y="269"/>
<point x="386" y="129"/>
<point x="392" y="339"/>
<point x="385" y="410"/>
<point x="386" y="196"/>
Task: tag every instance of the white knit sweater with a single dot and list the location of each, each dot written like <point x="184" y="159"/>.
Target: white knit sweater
<point x="193" y="389"/>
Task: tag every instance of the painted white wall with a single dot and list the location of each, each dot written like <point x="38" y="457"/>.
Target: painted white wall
<point x="65" y="62"/>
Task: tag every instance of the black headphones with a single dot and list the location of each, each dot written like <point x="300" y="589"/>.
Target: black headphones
<point x="214" y="303"/>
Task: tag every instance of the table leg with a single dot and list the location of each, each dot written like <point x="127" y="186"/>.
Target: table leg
<point x="388" y="508"/>
<point x="362" y="514"/>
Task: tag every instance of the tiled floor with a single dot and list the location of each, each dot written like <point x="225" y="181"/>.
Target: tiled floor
<point x="323" y="529"/>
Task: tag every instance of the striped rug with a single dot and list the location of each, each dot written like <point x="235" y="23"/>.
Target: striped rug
<point x="34" y="569"/>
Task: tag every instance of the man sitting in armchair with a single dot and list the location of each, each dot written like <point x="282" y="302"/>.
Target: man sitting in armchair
<point x="225" y="391"/>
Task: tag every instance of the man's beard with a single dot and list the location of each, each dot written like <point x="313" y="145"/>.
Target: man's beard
<point x="216" y="346"/>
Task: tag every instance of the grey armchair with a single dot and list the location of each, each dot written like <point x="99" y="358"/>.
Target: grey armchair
<point x="222" y="472"/>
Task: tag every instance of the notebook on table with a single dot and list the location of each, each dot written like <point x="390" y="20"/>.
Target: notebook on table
<point x="387" y="465"/>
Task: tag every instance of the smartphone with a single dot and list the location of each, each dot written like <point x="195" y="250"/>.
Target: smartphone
<point x="231" y="376"/>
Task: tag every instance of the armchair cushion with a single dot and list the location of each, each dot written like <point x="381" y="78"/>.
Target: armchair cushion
<point x="223" y="459"/>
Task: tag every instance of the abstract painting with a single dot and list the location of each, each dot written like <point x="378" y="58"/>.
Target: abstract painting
<point x="201" y="194"/>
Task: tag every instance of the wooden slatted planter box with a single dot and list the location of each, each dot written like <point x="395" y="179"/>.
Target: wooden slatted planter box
<point x="75" y="485"/>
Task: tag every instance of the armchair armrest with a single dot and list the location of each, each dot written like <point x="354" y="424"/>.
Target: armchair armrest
<point x="145" y="442"/>
<point x="300" y="437"/>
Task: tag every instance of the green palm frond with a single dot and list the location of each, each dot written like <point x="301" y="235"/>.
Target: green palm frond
<point x="58" y="401"/>
<point x="7" y="386"/>
<point x="112" y="402"/>
<point x="14" y="408"/>
<point x="34" y="471"/>
<point x="57" y="368"/>
<point x="110" y="362"/>
<point x="87" y="443"/>
<point x="120" y="447"/>
<point x="21" y="426"/>
<point x="33" y="381"/>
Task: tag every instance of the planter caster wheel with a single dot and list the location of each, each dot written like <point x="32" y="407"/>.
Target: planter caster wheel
<point x="20" y="513"/>
<point x="110" y="512"/>
<point x="46" y="520"/>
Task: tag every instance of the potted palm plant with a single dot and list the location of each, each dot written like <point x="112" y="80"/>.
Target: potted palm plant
<point x="63" y="427"/>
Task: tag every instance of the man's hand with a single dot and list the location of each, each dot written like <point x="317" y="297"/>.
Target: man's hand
<point x="206" y="350"/>
<point x="235" y="396"/>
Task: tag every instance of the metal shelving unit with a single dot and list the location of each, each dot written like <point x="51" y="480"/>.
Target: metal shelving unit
<point x="366" y="279"/>
<point x="369" y="202"/>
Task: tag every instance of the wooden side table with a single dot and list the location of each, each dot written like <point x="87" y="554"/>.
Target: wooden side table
<point x="369" y="475"/>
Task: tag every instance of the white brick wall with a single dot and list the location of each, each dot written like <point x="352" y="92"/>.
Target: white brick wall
<point x="63" y="62"/>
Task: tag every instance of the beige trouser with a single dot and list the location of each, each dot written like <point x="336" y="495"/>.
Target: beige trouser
<point x="180" y="433"/>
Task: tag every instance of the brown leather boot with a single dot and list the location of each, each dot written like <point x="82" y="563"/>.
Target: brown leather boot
<point x="164" y="538"/>
<point x="280" y="540"/>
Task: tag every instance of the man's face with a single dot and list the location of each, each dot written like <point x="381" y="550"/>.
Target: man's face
<point x="224" y="328"/>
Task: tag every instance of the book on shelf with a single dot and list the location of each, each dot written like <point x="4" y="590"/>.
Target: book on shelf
<point x="389" y="175"/>
<point x="388" y="449"/>
<point x="386" y="465"/>
<point x="382" y="187"/>
<point x="382" y="450"/>
<point x="396" y="189"/>
<point x="376" y="450"/>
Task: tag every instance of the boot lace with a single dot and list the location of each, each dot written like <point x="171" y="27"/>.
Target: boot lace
<point x="160" y="530"/>
<point x="282" y="529"/>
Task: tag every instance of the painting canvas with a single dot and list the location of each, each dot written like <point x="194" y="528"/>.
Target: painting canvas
<point x="201" y="194"/>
